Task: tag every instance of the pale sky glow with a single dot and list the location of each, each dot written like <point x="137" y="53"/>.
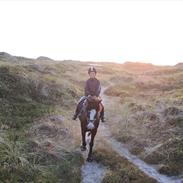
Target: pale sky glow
<point x="118" y="31"/>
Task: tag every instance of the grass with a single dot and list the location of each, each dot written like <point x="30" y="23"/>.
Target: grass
<point x="119" y="169"/>
<point x="26" y="94"/>
<point x="32" y="91"/>
<point x="142" y="120"/>
<point x="19" y="163"/>
<point x="17" y="115"/>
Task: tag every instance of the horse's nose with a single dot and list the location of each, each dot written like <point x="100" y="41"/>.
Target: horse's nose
<point x="90" y="125"/>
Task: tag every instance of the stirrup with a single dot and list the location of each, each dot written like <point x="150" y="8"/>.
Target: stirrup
<point x="103" y="120"/>
<point x="74" y="117"/>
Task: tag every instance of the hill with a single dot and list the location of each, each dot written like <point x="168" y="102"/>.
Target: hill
<point x="39" y="141"/>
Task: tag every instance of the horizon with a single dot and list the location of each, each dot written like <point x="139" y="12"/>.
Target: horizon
<point x="120" y="31"/>
<point x="92" y="62"/>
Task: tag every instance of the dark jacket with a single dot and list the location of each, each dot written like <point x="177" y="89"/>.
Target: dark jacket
<point x="92" y="87"/>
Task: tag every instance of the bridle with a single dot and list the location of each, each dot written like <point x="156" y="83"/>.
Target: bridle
<point x="92" y="112"/>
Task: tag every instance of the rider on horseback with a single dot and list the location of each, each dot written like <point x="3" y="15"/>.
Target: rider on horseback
<point x="92" y="88"/>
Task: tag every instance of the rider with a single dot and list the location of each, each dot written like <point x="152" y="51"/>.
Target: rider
<point x="93" y="88"/>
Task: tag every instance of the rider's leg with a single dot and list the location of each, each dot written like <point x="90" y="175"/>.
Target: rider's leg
<point x="78" y="108"/>
<point x="102" y="114"/>
<point x="76" y="112"/>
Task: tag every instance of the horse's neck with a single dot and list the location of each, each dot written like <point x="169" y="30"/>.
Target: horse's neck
<point x="93" y="106"/>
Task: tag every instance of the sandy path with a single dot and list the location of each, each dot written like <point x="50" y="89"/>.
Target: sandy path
<point x="91" y="172"/>
<point x="118" y="147"/>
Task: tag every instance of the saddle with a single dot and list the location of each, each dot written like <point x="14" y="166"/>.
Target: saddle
<point x="94" y="99"/>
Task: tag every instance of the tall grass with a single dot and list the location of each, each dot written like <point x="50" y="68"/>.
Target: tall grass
<point x="27" y="93"/>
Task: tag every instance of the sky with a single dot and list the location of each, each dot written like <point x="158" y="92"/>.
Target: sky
<point x="105" y="30"/>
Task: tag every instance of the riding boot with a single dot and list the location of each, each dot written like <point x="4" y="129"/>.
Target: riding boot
<point x="77" y="111"/>
<point x="102" y="114"/>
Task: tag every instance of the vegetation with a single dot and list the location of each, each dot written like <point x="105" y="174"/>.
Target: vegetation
<point x="119" y="169"/>
<point x="27" y="93"/>
<point x="150" y="116"/>
<point x="38" y="139"/>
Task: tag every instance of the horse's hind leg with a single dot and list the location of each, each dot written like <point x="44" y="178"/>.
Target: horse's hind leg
<point x="90" y="158"/>
<point x="83" y="146"/>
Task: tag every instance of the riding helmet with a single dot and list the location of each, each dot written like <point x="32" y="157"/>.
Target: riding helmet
<point x="92" y="69"/>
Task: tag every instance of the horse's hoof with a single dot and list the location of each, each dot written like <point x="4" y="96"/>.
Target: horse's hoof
<point x="90" y="159"/>
<point x="83" y="148"/>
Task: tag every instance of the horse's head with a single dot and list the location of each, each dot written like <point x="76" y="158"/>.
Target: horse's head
<point x="92" y="104"/>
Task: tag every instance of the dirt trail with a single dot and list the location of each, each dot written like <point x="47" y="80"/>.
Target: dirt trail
<point x="92" y="172"/>
<point x="118" y="147"/>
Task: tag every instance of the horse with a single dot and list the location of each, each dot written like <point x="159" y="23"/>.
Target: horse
<point x="89" y="120"/>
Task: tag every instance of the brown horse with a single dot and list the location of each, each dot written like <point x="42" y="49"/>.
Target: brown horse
<point x="90" y="118"/>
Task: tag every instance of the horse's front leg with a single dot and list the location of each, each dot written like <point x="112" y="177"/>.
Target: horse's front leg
<point x="90" y="158"/>
<point x="83" y="146"/>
